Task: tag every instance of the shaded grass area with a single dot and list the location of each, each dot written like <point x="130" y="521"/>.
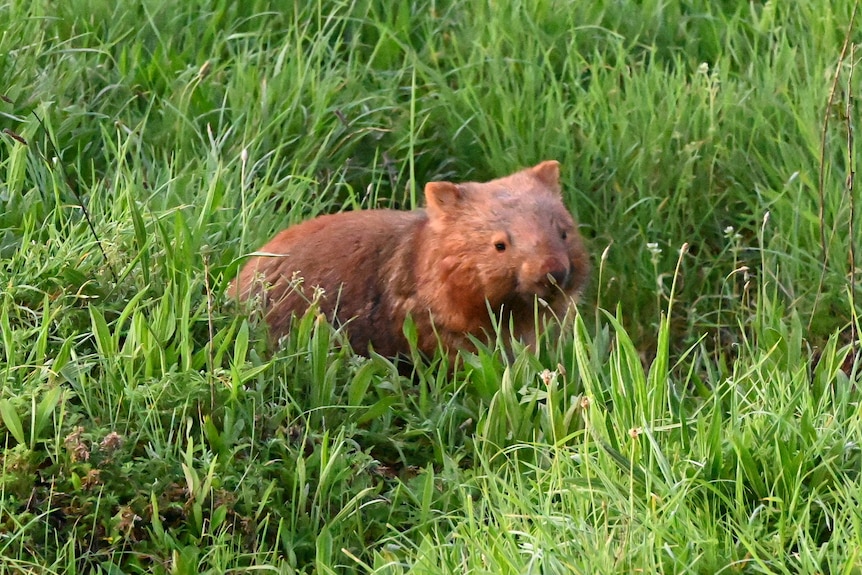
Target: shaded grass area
<point x="708" y="423"/>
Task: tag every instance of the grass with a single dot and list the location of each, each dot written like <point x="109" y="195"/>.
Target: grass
<point x="699" y="415"/>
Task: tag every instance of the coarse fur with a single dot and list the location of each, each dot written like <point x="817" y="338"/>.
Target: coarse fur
<point x="503" y="245"/>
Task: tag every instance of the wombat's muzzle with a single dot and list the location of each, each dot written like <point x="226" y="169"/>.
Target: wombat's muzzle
<point x="560" y="278"/>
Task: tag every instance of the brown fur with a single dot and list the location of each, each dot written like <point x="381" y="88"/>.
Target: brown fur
<point x="498" y="245"/>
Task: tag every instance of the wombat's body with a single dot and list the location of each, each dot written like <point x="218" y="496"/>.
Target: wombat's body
<point x="497" y="245"/>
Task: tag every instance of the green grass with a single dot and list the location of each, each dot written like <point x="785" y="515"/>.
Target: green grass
<point x="699" y="415"/>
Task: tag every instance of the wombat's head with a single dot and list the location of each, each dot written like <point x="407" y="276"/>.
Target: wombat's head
<point x="508" y="238"/>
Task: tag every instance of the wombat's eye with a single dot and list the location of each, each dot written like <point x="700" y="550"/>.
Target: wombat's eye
<point x="500" y="246"/>
<point x="564" y="234"/>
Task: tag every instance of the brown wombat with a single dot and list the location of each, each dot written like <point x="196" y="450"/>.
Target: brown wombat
<point x="497" y="246"/>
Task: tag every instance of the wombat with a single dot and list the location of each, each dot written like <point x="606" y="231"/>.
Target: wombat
<point x="499" y="247"/>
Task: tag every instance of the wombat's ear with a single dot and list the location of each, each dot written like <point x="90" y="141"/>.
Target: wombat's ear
<point x="548" y="173"/>
<point x="442" y="197"/>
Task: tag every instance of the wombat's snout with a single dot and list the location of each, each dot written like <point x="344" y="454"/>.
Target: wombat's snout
<point x="559" y="276"/>
<point x="555" y="268"/>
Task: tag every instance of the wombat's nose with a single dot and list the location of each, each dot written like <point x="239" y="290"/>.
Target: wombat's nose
<point x="558" y="276"/>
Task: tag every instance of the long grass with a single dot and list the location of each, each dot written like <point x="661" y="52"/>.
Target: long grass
<point x="699" y="414"/>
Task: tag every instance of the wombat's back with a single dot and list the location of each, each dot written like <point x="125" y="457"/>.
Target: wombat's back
<point x="352" y="257"/>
